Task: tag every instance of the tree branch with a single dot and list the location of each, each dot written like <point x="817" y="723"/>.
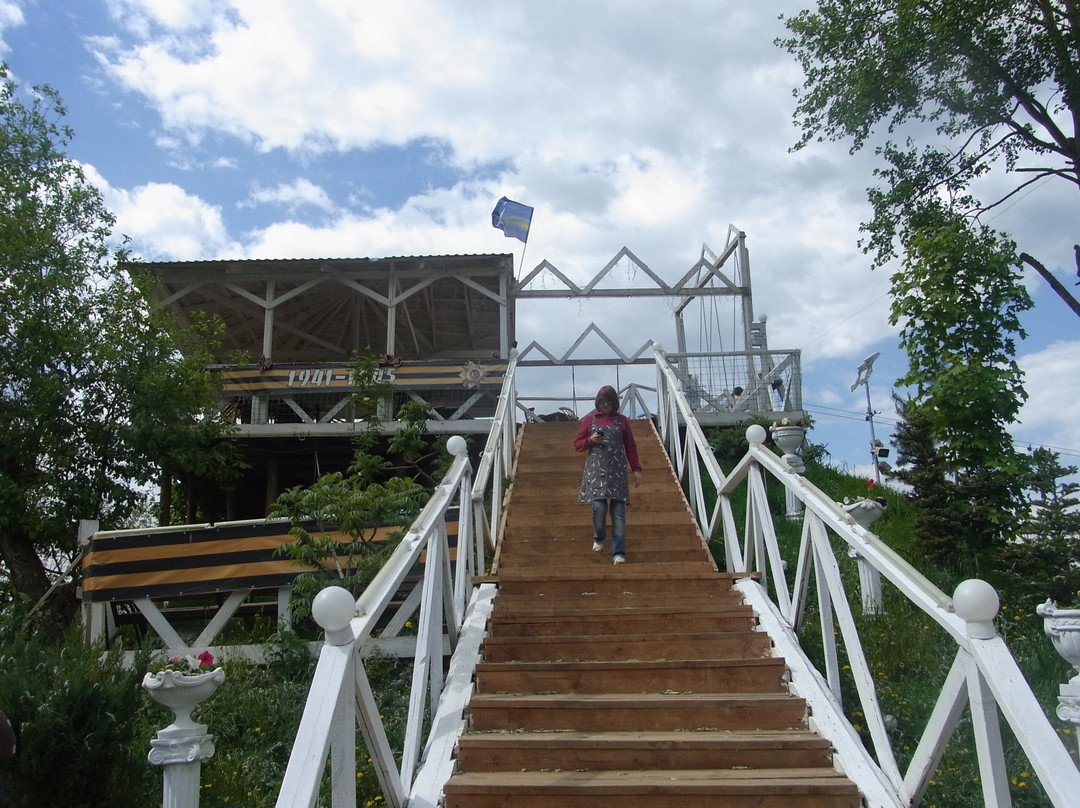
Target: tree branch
<point x="1055" y="284"/>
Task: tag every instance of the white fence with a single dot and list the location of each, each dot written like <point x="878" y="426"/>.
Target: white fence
<point x="983" y="673"/>
<point x="452" y="614"/>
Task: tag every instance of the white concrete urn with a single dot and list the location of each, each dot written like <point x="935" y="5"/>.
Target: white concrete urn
<point x="789" y="437"/>
<point x="864" y="511"/>
<point x="182" y="692"/>
<point x="1062" y="626"/>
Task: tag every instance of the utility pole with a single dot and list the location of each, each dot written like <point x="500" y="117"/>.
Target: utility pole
<point x="865" y="369"/>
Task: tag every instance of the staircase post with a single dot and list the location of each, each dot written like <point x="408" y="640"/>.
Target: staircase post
<point x="789" y="437"/>
<point x="182" y="746"/>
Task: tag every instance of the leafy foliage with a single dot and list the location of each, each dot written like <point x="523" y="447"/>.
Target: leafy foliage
<point x="97" y="397"/>
<point x="347" y="510"/>
<point x="74" y="712"/>
<point x="957" y="299"/>
<point x="1041" y="562"/>
<point x="977" y="87"/>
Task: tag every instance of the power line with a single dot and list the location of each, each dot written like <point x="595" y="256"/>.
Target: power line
<point x="820" y="410"/>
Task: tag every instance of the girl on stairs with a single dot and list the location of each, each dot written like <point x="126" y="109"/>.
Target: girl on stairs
<point x="605" y="434"/>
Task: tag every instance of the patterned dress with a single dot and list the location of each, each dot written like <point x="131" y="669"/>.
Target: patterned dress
<point x="605" y="474"/>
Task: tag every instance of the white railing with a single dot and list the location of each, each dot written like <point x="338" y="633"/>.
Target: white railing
<point x="687" y="448"/>
<point x="983" y="670"/>
<point x="452" y="616"/>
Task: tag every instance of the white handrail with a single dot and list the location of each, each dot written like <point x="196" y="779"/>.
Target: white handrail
<point x="452" y="615"/>
<point x="497" y="459"/>
<point x="984" y="673"/>
<point x="691" y="453"/>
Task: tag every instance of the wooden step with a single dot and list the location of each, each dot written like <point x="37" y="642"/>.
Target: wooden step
<point x="760" y="675"/>
<point x="532" y="539"/>
<point x="614" y="578"/>
<point x="702" y="645"/>
<point x="533" y="601"/>
<point x="614" y="622"/>
<point x="540" y="519"/>
<point x="587" y="609"/>
<point x="641" y="751"/>
<point x="577" y="552"/>
<point x="692" y="788"/>
<point x="617" y="712"/>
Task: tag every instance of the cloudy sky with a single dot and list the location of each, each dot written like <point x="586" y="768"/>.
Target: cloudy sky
<point x="335" y="128"/>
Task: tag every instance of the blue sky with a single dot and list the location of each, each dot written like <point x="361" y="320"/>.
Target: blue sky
<point x="278" y="128"/>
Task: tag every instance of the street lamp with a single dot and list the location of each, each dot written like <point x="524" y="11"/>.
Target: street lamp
<point x="877" y="449"/>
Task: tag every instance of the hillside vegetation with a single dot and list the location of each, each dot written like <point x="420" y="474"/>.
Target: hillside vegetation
<point x="84" y="724"/>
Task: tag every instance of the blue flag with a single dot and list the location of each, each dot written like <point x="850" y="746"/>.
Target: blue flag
<point x="512" y="218"/>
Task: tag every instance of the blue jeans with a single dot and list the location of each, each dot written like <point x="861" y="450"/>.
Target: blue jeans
<point x="618" y="523"/>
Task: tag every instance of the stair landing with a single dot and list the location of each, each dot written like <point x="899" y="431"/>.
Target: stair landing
<point x="640" y="684"/>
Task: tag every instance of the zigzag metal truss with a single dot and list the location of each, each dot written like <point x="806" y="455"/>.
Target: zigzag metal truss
<point x="698" y="281"/>
<point x="567" y="358"/>
<point x="691" y="284"/>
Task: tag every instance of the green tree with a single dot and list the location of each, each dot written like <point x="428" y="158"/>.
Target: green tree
<point x="940" y="531"/>
<point x="957" y="298"/>
<point x="977" y="86"/>
<point x="1041" y="563"/>
<point x="95" y="394"/>
<point x="335" y="521"/>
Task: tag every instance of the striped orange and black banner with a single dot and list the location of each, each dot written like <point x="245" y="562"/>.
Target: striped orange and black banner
<point x="188" y="561"/>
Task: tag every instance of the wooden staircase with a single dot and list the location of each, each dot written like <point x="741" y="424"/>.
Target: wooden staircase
<point x="642" y="684"/>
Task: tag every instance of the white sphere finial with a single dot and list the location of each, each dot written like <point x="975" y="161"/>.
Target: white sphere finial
<point x="756" y="434"/>
<point x="333" y="609"/>
<point x="977" y="604"/>
<point x="457" y="446"/>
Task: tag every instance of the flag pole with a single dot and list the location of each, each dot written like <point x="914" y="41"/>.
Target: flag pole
<point x="525" y="246"/>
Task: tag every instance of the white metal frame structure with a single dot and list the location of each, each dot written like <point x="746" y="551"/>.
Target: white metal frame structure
<point x="983" y="674"/>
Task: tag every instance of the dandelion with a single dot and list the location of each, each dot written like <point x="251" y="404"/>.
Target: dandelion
<point x="408" y="624"/>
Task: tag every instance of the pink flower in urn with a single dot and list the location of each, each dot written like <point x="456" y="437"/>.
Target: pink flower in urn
<point x="206" y="659"/>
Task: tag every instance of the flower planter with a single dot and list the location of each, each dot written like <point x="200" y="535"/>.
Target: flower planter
<point x="790" y="440"/>
<point x="181" y="692"/>
<point x="1062" y="626"/>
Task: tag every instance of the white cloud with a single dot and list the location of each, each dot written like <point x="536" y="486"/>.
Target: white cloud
<point x="165" y="223"/>
<point x="621" y="123"/>
<point x="11" y="16"/>
<point x="299" y="193"/>
<point x="1049" y="417"/>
